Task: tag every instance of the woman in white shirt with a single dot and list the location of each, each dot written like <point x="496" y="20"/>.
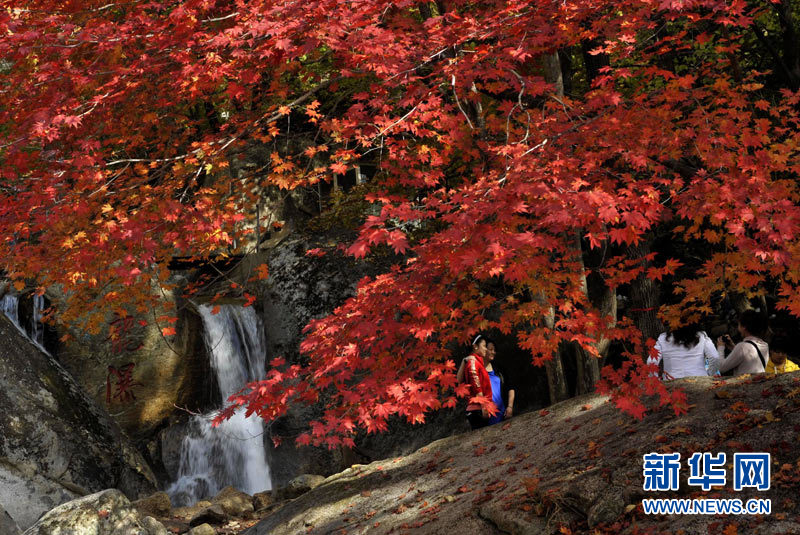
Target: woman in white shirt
<point x="683" y="352"/>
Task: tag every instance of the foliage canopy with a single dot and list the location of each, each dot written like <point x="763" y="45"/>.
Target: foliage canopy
<point x="120" y="120"/>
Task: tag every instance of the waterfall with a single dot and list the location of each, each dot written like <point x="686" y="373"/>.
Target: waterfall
<point x="10" y="306"/>
<point x="11" y="309"/>
<point x="232" y="453"/>
<point x="37" y="329"/>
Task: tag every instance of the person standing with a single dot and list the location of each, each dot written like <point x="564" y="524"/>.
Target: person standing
<point x="751" y="354"/>
<point x="502" y="393"/>
<point x="477" y="378"/>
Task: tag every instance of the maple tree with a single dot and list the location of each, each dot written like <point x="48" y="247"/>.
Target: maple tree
<point x="120" y="123"/>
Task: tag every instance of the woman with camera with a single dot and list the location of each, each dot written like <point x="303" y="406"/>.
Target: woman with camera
<point x="751" y="354"/>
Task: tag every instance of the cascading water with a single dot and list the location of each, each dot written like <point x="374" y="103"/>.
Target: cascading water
<point x="37" y="329"/>
<point x="232" y="453"/>
<point x="10" y="306"/>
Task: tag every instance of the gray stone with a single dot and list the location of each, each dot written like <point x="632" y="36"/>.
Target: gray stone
<point x="7" y="524"/>
<point x="153" y="526"/>
<point x="190" y="511"/>
<point x="56" y="444"/>
<point x="157" y="504"/>
<point x="214" y="514"/>
<point x="262" y="500"/>
<point x="607" y="508"/>
<point x="299" y="486"/>
<point x="234" y="502"/>
<point x="107" y="512"/>
<point x="202" y="529"/>
<point x="508" y="521"/>
<point x="301" y="288"/>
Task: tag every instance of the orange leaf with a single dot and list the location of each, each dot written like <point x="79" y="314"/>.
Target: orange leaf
<point x="168" y="331"/>
<point x="730" y="529"/>
<point x="262" y="272"/>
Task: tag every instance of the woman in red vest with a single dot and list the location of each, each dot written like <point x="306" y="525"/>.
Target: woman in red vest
<point x="477" y="378"/>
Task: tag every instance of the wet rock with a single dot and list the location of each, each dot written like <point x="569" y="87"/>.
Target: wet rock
<point x="107" y="512"/>
<point x="262" y="500"/>
<point x="55" y="442"/>
<point x="213" y="514"/>
<point x="175" y="526"/>
<point x="157" y="504"/>
<point x="186" y="513"/>
<point x="234" y="502"/>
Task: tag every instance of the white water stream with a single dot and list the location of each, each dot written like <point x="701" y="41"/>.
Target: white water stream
<point x="233" y="453"/>
<point x="10" y="307"/>
<point x="37" y="329"/>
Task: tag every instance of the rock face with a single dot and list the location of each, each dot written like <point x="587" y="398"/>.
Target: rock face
<point x="301" y="288"/>
<point x="7" y="524"/>
<point x="163" y="374"/>
<point x="107" y="512"/>
<point x="573" y="468"/>
<point x="298" y="486"/>
<point x="56" y="444"/>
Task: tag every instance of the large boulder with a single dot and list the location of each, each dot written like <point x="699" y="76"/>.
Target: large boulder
<point x="234" y="502"/>
<point x="107" y="512"/>
<point x="157" y="504"/>
<point x="575" y="467"/>
<point x="202" y="529"/>
<point x="56" y="444"/>
<point x="138" y="374"/>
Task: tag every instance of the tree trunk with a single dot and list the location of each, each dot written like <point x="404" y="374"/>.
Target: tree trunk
<point x="552" y="73"/>
<point x="588" y="366"/>
<point x="644" y="298"/>
<point x="556" y="379"/>
<point x="603" y="299"/>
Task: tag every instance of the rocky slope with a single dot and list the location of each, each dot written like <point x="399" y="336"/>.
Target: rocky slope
<point x="573" y="468"/>
<point x="56" y="444"/>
